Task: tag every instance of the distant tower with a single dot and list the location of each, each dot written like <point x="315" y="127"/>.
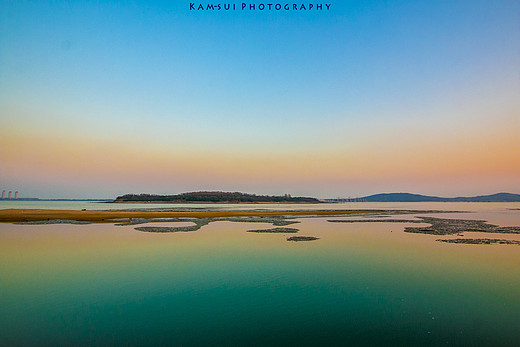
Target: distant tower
<point x="10" y="194"/>
<point x="16" y="195"/>
<point x="3" y="194"/>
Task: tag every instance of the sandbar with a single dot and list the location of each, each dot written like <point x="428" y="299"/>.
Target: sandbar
<point x="108" y="216"/>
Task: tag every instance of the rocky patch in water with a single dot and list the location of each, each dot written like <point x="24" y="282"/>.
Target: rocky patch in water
<point x="481" y="241"/>
<point x="200" y="222"/>
<point x="441" y="226"/>
<point x="274" y="230"/>
<point x="302" y="238"/>
<point x="276" y="221"/>
<point x="165" y="229"/>
<point x="53" y="221"/>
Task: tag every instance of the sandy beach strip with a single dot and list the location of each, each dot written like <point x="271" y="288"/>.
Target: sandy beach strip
<point x="32" y="215"/>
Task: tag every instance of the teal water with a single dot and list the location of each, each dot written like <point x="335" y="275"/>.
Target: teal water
<point x="359" y="284"/>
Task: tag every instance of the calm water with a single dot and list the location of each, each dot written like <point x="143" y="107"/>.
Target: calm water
<point x="360" y="284"/>
<point x="446" y="206"/>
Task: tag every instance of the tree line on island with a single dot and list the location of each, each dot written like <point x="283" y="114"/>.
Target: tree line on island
<point x="215" y="197"/>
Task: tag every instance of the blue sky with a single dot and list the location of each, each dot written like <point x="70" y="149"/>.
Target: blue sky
<point x="258" y="82"/>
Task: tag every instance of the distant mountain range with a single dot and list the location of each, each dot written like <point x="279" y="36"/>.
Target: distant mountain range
<point x="407" y="197"/>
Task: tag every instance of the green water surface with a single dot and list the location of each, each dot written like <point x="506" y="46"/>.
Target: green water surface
<point x="106" y="285"/>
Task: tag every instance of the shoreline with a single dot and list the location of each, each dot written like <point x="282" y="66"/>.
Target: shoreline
<point x="34" y="215"/>
<point x="217" y="202"/>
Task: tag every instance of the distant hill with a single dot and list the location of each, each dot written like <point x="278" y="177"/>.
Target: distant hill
<point x="214" y="197"/>
<point x="400" y="197"/>
<point x="407" y="197"/>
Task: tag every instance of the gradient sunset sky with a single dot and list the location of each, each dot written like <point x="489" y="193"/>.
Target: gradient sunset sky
<point x="99" y="99"/>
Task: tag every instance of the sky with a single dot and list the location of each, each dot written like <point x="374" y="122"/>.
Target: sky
<point x="103" y="98"/>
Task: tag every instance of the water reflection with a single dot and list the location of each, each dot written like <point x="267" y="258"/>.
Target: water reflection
<point x="365" y="283"/>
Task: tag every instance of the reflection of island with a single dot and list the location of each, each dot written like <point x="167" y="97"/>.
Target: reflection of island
<point x="214" y="197"/>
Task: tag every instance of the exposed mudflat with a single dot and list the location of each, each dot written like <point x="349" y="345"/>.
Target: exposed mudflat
<point x="108" y="216"/>
<point x="481" y="241"/>
<point x="274" y="230"/>
<point x="198" y="223"/>
<point x="442" y="226"/>
<point x="302" y="238"/>
<point x="165" y="229"/>
<point x="53" y="221"/>
<point x="437" y="226"/>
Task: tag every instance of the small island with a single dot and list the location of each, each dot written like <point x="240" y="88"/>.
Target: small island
<point x="214" y="197"/>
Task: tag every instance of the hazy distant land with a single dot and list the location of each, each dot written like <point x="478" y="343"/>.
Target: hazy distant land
<point x="244" y="198"/>
<point x="407" y="197"/>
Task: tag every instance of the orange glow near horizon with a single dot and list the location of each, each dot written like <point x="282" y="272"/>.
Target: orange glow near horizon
<point x="54" y="157"/>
